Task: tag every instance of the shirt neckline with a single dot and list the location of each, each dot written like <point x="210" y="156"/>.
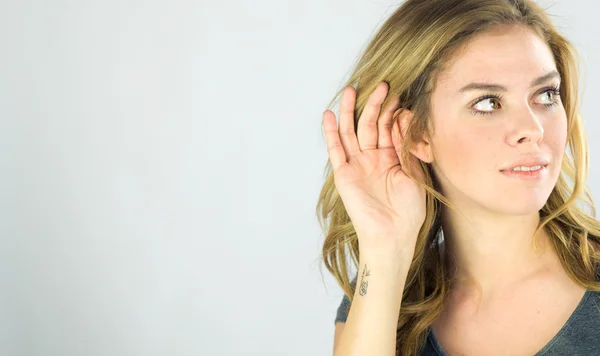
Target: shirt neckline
<point x="432" y="339"/>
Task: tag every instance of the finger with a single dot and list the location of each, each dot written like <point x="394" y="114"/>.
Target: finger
<point x="384" y="124"/>
<point x="367" y="124"/>
<point x="337" y="156"/>
<point x="346" y="127"/>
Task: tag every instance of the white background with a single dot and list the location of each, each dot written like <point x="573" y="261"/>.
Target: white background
<point x="160" y="165"/>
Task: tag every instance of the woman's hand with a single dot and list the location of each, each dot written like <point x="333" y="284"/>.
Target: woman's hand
<point x="385" y="206"/>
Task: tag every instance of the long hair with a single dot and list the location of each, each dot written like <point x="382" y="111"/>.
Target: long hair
<point x="408" y="52"/>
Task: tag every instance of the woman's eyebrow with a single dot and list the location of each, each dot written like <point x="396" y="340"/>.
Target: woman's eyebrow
<point x="496" y="87"/>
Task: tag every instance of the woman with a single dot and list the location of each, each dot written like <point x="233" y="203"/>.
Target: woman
<point x="450" y="183"/>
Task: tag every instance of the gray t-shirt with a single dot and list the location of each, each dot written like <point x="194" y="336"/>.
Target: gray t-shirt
<point x="579" y="336"/>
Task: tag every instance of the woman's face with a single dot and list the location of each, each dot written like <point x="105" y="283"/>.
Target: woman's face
<point x="480" y="131"/>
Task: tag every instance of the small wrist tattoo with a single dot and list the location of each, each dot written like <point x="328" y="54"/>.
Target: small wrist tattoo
<point x="364" y="283"/>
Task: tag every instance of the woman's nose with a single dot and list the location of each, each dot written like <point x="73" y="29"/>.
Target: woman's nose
<point x="527" y="129"/>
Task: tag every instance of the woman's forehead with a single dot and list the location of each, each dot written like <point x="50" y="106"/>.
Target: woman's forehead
<point x="511" y="57"/>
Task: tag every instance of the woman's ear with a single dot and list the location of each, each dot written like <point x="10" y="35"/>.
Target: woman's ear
<point x="420" y="149"/>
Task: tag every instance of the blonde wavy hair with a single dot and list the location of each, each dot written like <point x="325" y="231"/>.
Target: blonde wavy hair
<point x="408" y="52"/>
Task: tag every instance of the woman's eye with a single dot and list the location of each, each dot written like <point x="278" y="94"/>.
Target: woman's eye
<point x="488" y="104"/>
<point x="549" y="95"/>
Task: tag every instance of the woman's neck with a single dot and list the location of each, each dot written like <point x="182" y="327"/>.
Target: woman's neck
<point x="490" y="252"/>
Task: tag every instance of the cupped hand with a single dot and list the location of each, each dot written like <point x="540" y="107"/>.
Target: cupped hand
<point x="386" y="207"/>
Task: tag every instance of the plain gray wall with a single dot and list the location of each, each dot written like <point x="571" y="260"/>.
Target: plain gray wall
<point x="160" y="167"/>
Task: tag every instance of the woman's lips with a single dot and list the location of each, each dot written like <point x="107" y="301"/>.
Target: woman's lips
<point x="526" y="175"/>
